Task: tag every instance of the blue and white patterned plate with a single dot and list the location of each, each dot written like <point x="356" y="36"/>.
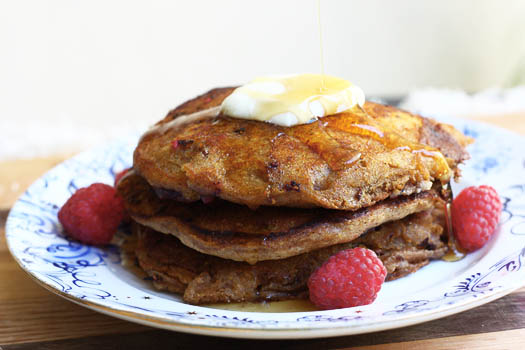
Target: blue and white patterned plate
<point x="93" y="277"/>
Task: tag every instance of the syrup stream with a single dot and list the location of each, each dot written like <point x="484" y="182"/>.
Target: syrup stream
<point x="454" y="253"/>
<point x="321" y="55"/>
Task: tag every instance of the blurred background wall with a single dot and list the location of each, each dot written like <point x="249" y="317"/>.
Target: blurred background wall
<point x="78" y="64"/>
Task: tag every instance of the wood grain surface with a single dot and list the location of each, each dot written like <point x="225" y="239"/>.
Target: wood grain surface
<point x="33" y="318"/>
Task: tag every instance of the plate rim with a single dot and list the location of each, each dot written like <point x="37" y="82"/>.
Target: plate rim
<point x="271" y="333"/>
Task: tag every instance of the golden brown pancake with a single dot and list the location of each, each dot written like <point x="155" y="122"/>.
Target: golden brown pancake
<point x="236" y="232"/>
<point x="345" y="161"/>
<point x="404" y="246"/>
<point x="232" y="210"/>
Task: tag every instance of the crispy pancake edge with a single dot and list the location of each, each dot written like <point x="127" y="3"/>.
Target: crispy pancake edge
<point x="325" y="228"/>
<point x="404" y="246"/>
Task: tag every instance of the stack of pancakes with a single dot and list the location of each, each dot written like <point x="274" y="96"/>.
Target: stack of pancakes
<point x="230" y="210"/>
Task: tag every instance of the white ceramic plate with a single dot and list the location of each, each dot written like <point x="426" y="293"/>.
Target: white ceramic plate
<point x="93" y="277"/>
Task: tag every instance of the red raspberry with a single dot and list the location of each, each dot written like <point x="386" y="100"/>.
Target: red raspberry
<point x="352" y="277"/>
<point x="207" y="199"/>
<point x="475" y="215"/>
<point x="119" y="176"/>
<point x="92" y="214"/>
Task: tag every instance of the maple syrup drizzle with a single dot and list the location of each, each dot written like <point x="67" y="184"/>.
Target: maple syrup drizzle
<point x="372" y="129"/>
<point x="321" y="51"/>
<point x="319" y="140"/>
<point x="358" y="122"/>
<point x="454" y="252"/>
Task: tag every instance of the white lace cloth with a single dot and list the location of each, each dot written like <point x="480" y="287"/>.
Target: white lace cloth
<point x="37" y="138"/>
<point x="457" y="103"/>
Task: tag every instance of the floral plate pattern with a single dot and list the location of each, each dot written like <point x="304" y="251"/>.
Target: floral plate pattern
<point x="94" y="276"/>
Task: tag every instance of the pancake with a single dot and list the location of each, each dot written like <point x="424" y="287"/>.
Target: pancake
<point x="404" y="246"/>
<point x="235" y="232"/>
<point x="346" y="161"/>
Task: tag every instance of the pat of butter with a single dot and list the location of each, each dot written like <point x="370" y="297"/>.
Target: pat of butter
<point x="292" y="99"/>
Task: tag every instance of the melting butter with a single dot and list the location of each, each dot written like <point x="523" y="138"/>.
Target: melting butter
<point x="293" y="99"/>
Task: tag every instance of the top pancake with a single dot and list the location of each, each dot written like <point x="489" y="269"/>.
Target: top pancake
<point x="345" y="161"/>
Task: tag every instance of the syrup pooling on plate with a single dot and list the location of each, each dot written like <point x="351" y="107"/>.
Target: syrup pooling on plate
<point x="292" y="100"/>
<point x="296" y="305"/>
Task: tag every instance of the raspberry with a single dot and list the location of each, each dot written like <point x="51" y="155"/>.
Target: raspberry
<point x="475" y="215"/>
<point x="207" y="199"/>
<point x="352" y="277"/>
<point x="119" y="176"/>
<point x="92" y="214"/>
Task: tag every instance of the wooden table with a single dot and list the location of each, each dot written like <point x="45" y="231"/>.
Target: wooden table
<point x="31" y="317"/>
